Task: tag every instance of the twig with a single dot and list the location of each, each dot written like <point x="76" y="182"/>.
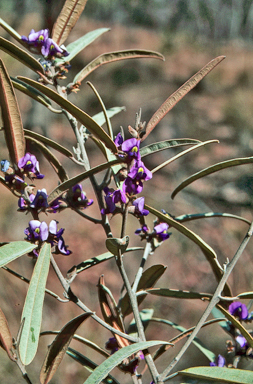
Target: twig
<point x="140" y="270"/>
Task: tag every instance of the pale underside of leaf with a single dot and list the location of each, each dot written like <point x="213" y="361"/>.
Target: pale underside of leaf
<point x="162" y="145"/>
<point x="13" y="128"/>
<point x="111" y="57"/>
<point x="214" y="168"/>
<point x="80" y="115"/>
<point x="67" y="19"/>
<point x="179" y="94"/>
<point x="13" y="250"/>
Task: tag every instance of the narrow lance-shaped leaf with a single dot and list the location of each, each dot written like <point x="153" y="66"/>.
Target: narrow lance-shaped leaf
<point x="162" y="145"/>
<point x="179" y="294"/>
<point x="105" y="368"/>
<point x="179" y="94"/>
<point x="218" y="374"/>
<point x="209" y="215"/>
<point x="214" y="168"/>
<point x="206" y="249"/>
<point x="67" y="19"/>
<point x="59" y="347"/>
<point x="13" y="128"/>
<point x="80" y="115"/>
<point x="13" y="250"/>
<point x="5" y="337"/>
<point x="32" y="311"/>
<point x="100" y="117"/>
<point x="78" y="45"/>
<point x="20" y="55"/>
<point x="110" y="57"/>
<point x="10" y="30"/>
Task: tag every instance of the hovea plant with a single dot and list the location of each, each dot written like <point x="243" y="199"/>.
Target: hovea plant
<point x="125" y="176"/>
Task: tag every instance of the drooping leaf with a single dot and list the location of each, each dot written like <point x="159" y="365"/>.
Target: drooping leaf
<point x="5" y="337"/>
<point x="162" y="145"/>
<point x="246" y="295"/>
<point x="21" y="55"/>
<point x="58" y="191"/>
<point x="148" y="280"/>
<point x="166" y="292"/>
<point x="103" y="369"/>
<point x="13" y="250"/>
<point x="214" y="168"/>
<point x="10" y="30"/>
<point x="100" y="117"/>
<point x="56" y="165"/>
<point x="208" y="215"/>
<point x="13" y="128"/>
<point x="67" y="19"/>
<point x="51" y="143"/>
<point x="78" y="45"/>
<point x="219" y="374"/>
<point x="80" y="115"/>
<point x="89" y="365"/>
<point x="116" y="246"/>
<point x="179" y="94"/>
<point x="98" y="259"/>
<point x="165" y="163"/>
<point x="206" y="249"/>
<point x="59" y="347"/>
<point x="32" y="311"/>
<point x="111" y="57"/>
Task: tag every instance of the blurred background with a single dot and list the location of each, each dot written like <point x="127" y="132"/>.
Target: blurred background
<point x="189" y="34"/>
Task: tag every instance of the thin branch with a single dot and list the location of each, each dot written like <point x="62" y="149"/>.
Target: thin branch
<point x="140" y="270"/>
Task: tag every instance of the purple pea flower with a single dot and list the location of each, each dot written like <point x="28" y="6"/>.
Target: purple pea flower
<point x="118" y="140"/>
<point x="139" y="207"/>
<point x="36" y="38"/>
<point x="161" y="231"/>
<point x="23" y="204"/>
<point x="131" y="147"/>
<point x="40" y="200"/>
<point x="29" y="164"/>
<point x="37" y="231"/>
<point x="220" y="362"/>
<point x="132" y="186"/>
<point x="112" y="198"/>
<point x="78" y="197"/>
<point x="50" y="48"/>
<point x="55" y="238"/>
<point x="239" y="310"/>
<point x="139" y="171"/>
<point x="112" y="345"/>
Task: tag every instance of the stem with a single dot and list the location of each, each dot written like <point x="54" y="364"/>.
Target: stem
<point x="214" y="301"/>
<point x="140" y="270"/>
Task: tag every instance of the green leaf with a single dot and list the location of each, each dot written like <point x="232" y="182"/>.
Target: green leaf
<point x="80" y="115"/>
<point x="13" y="250"/>
<point x="10" y="30"/>
<point x="206" y="249"/>
<point x="98" y="259"/>
<point x="209" y="215"/>
<point x="59" y="347"/>
<point x="89" y="365"/>
<point x="111" y="57"/>
<point x="32" y="311"/>
<point x="67" y="19"/>
<point x="179" y="94"/>
<point x="20" y="55"/>
<point x="6" y="341"/>
<point x="176" y="293"/>
<point x="103" y="369"/>
<point x="58" y="191"/>
<point x="148" y="280"/>
<point x="78" y="45"/>
<point x="214" y="168"/>
<point x="221" y="374"/>
<point x="13" y="128"/>
<point x="100" y="117"/>
<point x="51" y="143"/>
<point x="162" y="145"/>
<point x="115" y="245"/>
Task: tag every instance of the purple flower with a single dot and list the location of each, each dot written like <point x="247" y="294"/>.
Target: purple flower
<point x="78" y="197"/>
<point x="143" y="229"/>
<point x="139" y="171"/>
<point x="241" y="341"/>
<point x="55" y="238"/>
<point x="50" y="48"/>
<point x="40" y="200"/>
<point x="36" y="231"/>
<point x="36" y="38"/>
<point x="29" y="164"/>
<point x="112" y="345"/>
<point x="132" y="186"/>
<point x="118" y="140"/>
<point x="112" y="198"/>
<point x="139" y="207"/>
<point x="131" y="147"/>
<point x="23" y="204"/>
<point x="161" y="231"/>
<point x="5" y="164"/>
<point x="220" y="362"/>
<point x="239" y="310"/>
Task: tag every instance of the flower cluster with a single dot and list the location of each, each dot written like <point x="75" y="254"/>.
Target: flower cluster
<point x="44" y="44"/>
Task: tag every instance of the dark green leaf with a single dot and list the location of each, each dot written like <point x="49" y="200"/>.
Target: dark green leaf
<point x="111" y="57"/>
<point x="209" y="215"/>
<point x="80" y="115"/>
<point x="20" y="55"/>
<point x="59" y="346"/>
<point x="103" y="369"/>
<point x="32" y="311"/>
<point x="13" y="128"/>
<point x="178" y="293"/>
<point x="67" y="19"/>
<point x="162" y="145"/>
<point x="179" y="94"/>
<point x="13" y="250"/>
<point x="220" y="374"/>
<point x="214" y="168"/>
